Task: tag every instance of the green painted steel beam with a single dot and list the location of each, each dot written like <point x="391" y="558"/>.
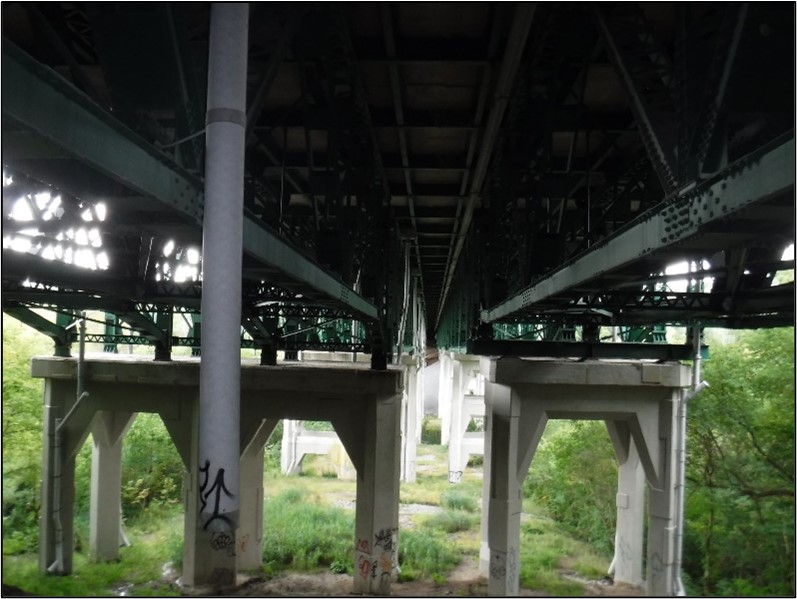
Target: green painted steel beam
<point x="752" y="179"/>
<point x="60" y="335"/>
<point x="583" y="350"/>
<point x="39" y="100"/>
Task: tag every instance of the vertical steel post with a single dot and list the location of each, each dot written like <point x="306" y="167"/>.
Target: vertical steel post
<point x="219" y="393"/>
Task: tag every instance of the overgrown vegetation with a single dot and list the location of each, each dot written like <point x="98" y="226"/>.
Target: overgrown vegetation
<point x="740" y="476"/>
<point x="303" y="534"/>
<point x="739" y="532"/>
<point x="739" y="536"/>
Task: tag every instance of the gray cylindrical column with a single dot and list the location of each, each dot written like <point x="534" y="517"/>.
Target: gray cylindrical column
<point x="219" y="394"/>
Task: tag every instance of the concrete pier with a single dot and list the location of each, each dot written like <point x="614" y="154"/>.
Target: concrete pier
<point x="637" y="400"/>
<point x="363" y="405"/>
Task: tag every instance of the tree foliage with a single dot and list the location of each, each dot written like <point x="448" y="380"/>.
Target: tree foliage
<point x="22" y="431"/>
<point x="740" y="474"/>
<point x="574" y="476"/>
<point x="739" y="531"/>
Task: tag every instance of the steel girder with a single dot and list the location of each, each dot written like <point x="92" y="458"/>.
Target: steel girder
<point x="39" y="101"/>
<point x="682" y="217"/>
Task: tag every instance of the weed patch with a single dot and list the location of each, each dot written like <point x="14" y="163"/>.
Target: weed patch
<point x="301" y="535"/>
<point x="459" y="499"/>
<point x="424" y="553"/>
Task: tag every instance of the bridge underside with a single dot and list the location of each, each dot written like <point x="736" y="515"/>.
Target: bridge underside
<point x="552" y="180"/>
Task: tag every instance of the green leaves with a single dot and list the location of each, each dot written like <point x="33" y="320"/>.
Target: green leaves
<point x="740" y="504"/>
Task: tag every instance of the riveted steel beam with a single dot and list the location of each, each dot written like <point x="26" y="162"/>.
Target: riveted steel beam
<point x="581" y="350"/>
<point x="35" y="98"/>
<point x="757" y="177"/>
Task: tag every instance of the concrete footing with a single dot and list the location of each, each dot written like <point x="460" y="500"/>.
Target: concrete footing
<point x="363" y="405"/>
<point x="638" y="402"/>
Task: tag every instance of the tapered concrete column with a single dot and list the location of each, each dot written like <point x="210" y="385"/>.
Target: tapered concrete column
<point x="222" y="241"/>
<point x="420" y="396"/>
<point x="455" y="423"/>
<point x="661" y="574"/>
<point x="629" y="538"/>
<point x="409" y="419"/>
<point x="105" y="508"/>
<point x="249" y="540"/>
<point x="505" y="503"/>
<point x="371" y="436"/>
<point x="444" y="395"/>
<point x="484" y="548"/>
<point x="290" y="460"/>
<point x="56" y="533"/>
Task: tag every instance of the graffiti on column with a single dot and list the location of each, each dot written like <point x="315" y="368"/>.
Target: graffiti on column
<point x="216" y="489"/>
<point x="454" y="476"/>
<point x="384" y="539"/>
<point x="223" y="540"/>
<point x="497" y="566"/>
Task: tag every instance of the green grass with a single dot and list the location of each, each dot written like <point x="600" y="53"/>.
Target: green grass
<point x="156" y="536"/>
<point x="460" y="499"/>
<point x="425" y="553"/>
<point x="452" y="521"/>
<point x="304" y="531"/>
<point x="546" y="551"/>
<point x="302" y="534"/>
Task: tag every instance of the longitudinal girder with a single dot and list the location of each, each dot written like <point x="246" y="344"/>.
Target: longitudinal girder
<point x="508" y="163"/>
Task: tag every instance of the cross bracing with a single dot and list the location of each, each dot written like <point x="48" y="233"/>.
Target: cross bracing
<point x="540" y="163"/>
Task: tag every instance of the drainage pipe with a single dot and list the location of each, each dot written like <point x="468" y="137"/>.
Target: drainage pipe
<point x="222" y="234"/>
<point x="698" y="385"/>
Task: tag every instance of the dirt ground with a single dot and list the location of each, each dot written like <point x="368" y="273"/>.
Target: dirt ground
<point x="464" y="581"/>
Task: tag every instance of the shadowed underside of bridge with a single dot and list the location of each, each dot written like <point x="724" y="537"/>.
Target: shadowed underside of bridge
<point x="500" y="179"/>
<point x="501" y="163"/>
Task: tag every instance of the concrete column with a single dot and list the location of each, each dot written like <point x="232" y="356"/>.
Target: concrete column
<point x="505" y="505"/>
<point x="219" y="398"/>
<point x="372" y="439"/>
<point x="662" y="505"/>
<point x="629" y="538"/>
<point x="409" y="420"/>
<point x="105" y="508"/>
<point x="56" y="536"/>
<point x="456" y="428"/>
<point x="420" y="395"/>
<point x="290" y="461"/>
<point x="444" y="395"/>
<point x="484" y="549"/>
<point x="249" y="540"/>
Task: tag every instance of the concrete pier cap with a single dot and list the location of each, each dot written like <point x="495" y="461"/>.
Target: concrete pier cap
<point x="363" y="405"/>
<point x="638" y="402"/>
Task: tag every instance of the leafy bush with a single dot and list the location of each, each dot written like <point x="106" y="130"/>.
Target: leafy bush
<point x="152" y="471"/>
<point x="22" y="436"/>
<point x="574" y="477"/>
<point x="430" y="431"/>
<point x="458" y="499"/>
<point x="740" y="474"/>
<point x="451" y="522"/>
